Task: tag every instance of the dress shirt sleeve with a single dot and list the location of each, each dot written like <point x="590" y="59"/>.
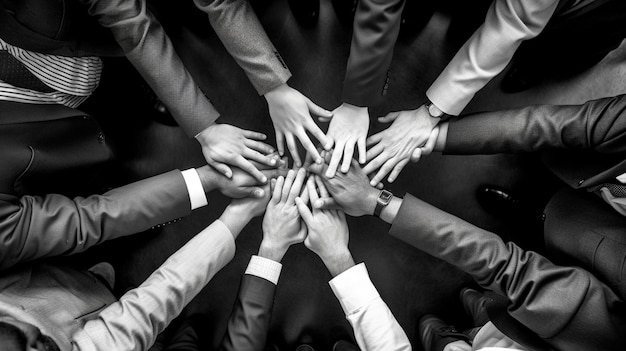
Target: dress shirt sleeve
<point x="239" y="29"/>
<point x="197" y="196"/>
<point x="33" y="227"/>
<point x="149" y="49"/>
<point x="134" y="322"/>
<point x="375" y="327"/>
<point x="264" y="268"/>
<point x="488" y="51"/>
<point x="566" y="306"/>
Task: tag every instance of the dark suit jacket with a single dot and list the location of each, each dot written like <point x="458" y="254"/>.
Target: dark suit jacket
<point x="39" y="142"/>
<point x="566" y="306"/>
<point x="376" y="28"/>
<point x="250" y="320"/>
<point x="584" y="145"/>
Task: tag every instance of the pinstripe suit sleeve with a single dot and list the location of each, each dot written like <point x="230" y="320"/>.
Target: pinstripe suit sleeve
<point x="149" y="49"/>
<point x="240" y="31"/>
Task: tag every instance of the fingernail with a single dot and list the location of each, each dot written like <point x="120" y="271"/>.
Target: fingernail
<point x="264" y="179"/>
<point x="258" y="193"/>
<point x="281" y="153"/>
<point x="298" y="164"/>
<point x="272" y="162"/>
<point x="328" y="146"/>
<point x="319" y="203"/>
<point x="228" y="174"/>
<point x="318" y="161"/>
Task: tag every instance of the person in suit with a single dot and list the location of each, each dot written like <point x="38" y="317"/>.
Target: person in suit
<point x="567" y="307"/>
<point x="508" y="24"/>
<point x="44" y="306"/>
<point x="46" y="150"/>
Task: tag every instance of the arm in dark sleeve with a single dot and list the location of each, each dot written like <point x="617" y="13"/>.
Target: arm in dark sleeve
<point x="567" y="306"/>
<point x="149" y="49"/>
<point x="32" y="227"/>
<point x="598" y="125"/>
<point x="239" y="29"/>
<point x="376" y="27"/>
<point x="250" y="320"/>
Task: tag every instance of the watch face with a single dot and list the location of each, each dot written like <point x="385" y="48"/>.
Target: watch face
<point x="431" y="111"/>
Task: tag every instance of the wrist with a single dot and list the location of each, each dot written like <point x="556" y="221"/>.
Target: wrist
<point x="235" y="218"/>
<point x="276" y="91"/>
<point x="208" y="178"/>
<point x="370" y="201"/>
<point x="338" y="262"/>
<point x="272" y="251"/>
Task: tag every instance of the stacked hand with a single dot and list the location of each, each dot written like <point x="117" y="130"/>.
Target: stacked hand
<point x="347" y="128"/>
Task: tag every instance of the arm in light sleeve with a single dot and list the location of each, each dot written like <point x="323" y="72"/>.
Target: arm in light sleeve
<point x="150" y="50"/>
<point x="239" y="29"/>
<point x="375" y="327"/>
<point x="249" y="321"/>
<point x="488" y="51"/>
<point x="134" y="322"/>
<point x="33" y="227"/>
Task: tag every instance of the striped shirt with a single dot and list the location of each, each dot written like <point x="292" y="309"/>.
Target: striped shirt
<point x="73" y="78"/>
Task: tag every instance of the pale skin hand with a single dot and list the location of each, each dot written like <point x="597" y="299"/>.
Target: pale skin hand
<point x="391" y="149"/>
<point x="240" y="211"/>
<point x="348" y="128"/>
<point x="291" y="115"/>
<point x="224" y="145"/>
<point x="282" y="226"/>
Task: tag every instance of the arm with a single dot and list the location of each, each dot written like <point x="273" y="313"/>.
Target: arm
<point x="589" y="314"/>
<point x="488" y="51"/>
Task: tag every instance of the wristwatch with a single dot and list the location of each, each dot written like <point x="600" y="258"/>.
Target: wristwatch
<point x="384" y="198"/>
<point x="434" y="111"/>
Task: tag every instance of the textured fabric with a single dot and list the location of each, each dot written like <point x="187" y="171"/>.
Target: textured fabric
<point x="375" y="327"/>
<point x="567" y="306"/>
<point x="152" y="53"/>
<point x="488" y="51"/>
<point x="489" y="338"/>
<point x="264" y="268"/>
<point x="54" y="79"/>
<point x="13" y="72"/>
<point x="374" y="34"/>
<point x="197" y="196"/>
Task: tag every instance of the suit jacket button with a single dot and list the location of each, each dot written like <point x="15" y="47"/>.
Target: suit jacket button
<point x="101" y="138"/>
<point x="580" y="182"/>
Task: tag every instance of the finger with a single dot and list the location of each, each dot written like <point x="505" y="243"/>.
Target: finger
<point x="305" y="195"/>
<point x="280" y="143"/>
<point x="274" y="173"/>
<point x="321" y="187"/>
<point x="380" y="186"/>
<point x="376" y="163"/>
<point x="335" y="159"/>
<point x="296" y="186"/>
<point x="259" y="146"/>
<point x="327" y="203"/>
<point x="287" y="185"/>
<point x="391" y="116"/>
<point x="222" y="168"/>
<point x="397" y="169"/>
<point x="304" y="212"/>
<point x="361" y="148"/>
<point x="254" y="135"/>
<point x="432" y="140"/>
<point x="248" y="167"/>
<point x="324" y="119"/>
<point x="318" y="111"/>
<point x="254" y="191"/>
<point x="273" y="190"/>
<point x="374" y="151"/>
<point x="308" y="160"/>
<point x="256" y="156"/>
<point x="348" y="151"/>
<point x="318" y="169"/>
<point x="313" y="196"/>
<point x="383" y="171"/>
<point x="416" y="155"/>
<point x="374" y="139"/>
<point x="309" y="147"/>
<point x="293" y="150"/>
<point x="326" y="142"/>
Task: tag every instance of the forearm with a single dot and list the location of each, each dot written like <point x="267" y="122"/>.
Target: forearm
<point x="150" y="50"/>
<point x="235" y="218"/>
<point x="488" y="51"/>
<point x="338" y="262"/>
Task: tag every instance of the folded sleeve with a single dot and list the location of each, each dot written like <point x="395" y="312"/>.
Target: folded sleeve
<point x="488" y="51"/>
<point x="134" y="322"/>
<point x="375" y="327"/>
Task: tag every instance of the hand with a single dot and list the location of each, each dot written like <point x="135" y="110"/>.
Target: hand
<point x="224" y="145"/>
<point x="327" y="233"/>
<point x="393" y="147"/>
<point x="281" y="225"/>
<point x="240" y="211"/>
<point x="348" y="128"/>
<point x="291" y="114"/>
<point x="350" y="191"/>
<point x="428" y="148"/>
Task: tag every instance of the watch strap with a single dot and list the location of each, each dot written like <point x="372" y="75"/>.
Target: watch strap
<point x="384" y="198"/>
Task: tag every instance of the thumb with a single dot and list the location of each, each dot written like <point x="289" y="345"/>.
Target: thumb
<point x="222" y="168"/>
<point x="416" y="155"/>
<point x="390" y="117"/>
<point x="327" y="203"/>
<point x="318" y="169"/>
<point x="318" y="111"/>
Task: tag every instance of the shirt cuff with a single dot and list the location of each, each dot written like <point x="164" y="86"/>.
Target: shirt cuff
<point x="264" y="268"/>
<point x="354" y="289"/>
<point x="197" y="197"/>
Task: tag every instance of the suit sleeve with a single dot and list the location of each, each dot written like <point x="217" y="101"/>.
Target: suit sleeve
<point x="149" y="49"/>
<point x="598" y="125"/>
<point x="376" y="27"/>
<point x="250" y="320"/>
<point x="567" y="306"/>
<point x="33" y="227"/>
<point x="133" y="323"/>
<point x="239" y="29"/>
<point x="489" y="50"/>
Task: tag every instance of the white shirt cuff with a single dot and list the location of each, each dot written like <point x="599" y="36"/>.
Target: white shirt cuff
<point x="621" y="178"/>
<point x="197" y="197"/>
<point x="264" y="268"/>
<point x="354" y="289"/>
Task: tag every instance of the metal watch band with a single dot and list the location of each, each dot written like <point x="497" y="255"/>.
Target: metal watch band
<point x="384" y="198"/>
